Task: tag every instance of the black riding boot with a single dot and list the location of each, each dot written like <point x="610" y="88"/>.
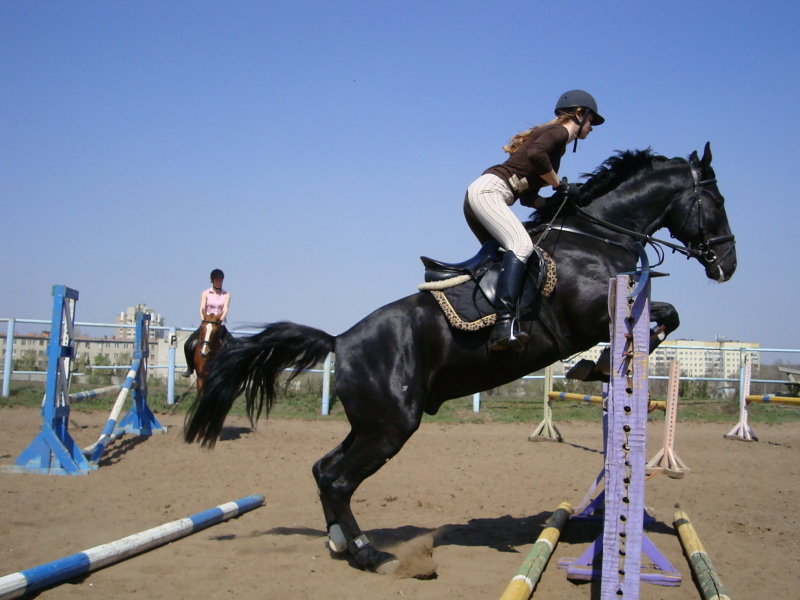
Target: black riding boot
<point x="188" y="351"/>
<point x="506" y="332"/>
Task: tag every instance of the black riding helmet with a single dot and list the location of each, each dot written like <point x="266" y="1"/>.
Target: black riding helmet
<point x="217" y="274"/>
<point x="579" y="99"/>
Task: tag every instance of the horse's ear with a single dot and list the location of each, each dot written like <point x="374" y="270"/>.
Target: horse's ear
<point x="706" y="162"/>
<point x="693" y="158"/>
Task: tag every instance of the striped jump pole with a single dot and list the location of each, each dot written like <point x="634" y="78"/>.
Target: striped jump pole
<point x="521" y="585"/>
<point x="773" y="399"/>
<point x="96" y="450"/>
<point x="37" y="578"/>
<point x="710" y="583"/>
<point x="89" y="394"/>
<point x="591" y="399"/>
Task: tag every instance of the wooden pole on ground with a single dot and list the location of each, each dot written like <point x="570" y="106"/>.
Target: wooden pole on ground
<point x="521" y="585"/>
<point x="710" y="583"/>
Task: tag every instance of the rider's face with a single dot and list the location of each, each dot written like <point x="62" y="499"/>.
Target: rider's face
<point x="587" y="126"/>
<point x="217" y="282"/>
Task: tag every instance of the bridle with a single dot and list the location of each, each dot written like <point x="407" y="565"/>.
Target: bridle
<point x="703" y="250"/>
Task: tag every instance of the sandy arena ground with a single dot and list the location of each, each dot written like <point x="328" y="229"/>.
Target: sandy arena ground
<point x="461" y="504"/>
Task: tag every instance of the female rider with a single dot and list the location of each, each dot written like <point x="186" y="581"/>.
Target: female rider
<point x="213" y="301"/>
<point x="535" y="156"/>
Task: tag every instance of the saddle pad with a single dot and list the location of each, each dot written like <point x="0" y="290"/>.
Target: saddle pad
<point x="466" y="307"/>
<point x="464" y="304"/>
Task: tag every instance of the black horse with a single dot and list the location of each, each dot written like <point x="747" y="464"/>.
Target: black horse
<point x="405" y="359"/>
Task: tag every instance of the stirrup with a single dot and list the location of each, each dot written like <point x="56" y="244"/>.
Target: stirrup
<point x="516" y="340"/>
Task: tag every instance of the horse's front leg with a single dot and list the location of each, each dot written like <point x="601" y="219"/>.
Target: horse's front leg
<point x="662" y="314"/>
<point x="666" y="318"/>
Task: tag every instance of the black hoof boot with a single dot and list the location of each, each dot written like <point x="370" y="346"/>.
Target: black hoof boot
<point x="369" y="558"/>
<point x="587" y="370"/>
<point x="581" y="370"/>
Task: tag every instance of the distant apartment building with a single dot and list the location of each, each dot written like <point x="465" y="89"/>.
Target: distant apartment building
<point x="128" y="317"/>
<point x="721" y="358"/>
<point x="31" y="350"/>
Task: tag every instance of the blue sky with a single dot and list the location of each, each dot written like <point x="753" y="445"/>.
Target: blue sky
<point x="313" y="150"/>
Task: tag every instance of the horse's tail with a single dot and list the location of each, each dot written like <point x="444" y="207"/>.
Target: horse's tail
<point x="252" y="366"/>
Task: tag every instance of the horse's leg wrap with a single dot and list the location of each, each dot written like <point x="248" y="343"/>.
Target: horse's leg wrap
<point x="370" y="558"/>
<point x="337" y="541"/>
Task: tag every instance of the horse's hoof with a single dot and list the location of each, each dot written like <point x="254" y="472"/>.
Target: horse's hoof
<point x="370" y="558"/>
<point x="336" y="540"/>
<point x="582" y="370"/>
<point x="389" y="567"/>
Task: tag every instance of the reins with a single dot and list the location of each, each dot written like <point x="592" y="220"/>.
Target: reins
<point x="704" y="250"/>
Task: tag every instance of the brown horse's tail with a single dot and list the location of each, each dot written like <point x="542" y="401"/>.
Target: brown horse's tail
<point x="252" y="366"/>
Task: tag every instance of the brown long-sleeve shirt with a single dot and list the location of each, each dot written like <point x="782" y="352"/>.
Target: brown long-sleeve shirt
<point x="538" y="155"/>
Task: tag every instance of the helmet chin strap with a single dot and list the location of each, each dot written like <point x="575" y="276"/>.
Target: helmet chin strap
<point x="578" y="134"/>
<point x="580" y="123"/>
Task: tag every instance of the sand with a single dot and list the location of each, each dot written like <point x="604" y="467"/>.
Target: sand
<point x="461" y="504"/>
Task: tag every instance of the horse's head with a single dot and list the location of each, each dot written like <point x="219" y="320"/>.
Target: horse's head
<point x="209" y="333"/>
<point x="700" y="222"/>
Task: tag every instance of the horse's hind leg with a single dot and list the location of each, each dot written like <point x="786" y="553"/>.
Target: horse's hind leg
<point x="340" y="472"/>
<point x="336" y="539"/>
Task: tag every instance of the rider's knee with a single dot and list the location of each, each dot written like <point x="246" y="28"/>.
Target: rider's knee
<point x="522" y="249"/>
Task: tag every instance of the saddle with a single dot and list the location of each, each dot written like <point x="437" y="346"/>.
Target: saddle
<point x="466" y="291"/>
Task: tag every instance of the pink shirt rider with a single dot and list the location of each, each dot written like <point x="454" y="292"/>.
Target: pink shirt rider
<point x="214" y="303"/>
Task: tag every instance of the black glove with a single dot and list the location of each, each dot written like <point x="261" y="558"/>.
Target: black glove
<point x="571" y="190"/>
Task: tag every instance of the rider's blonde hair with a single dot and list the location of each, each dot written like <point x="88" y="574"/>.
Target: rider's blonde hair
<point x="515" y="142"/>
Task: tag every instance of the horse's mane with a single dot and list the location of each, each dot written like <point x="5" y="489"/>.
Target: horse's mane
<point x="619" y="167"/>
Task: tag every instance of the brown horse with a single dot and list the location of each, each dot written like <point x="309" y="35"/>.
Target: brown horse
<point x="208" y="344"/>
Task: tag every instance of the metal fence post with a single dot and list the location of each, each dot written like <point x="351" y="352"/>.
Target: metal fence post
<point x="173" y="342"/>
<point x="8" y="365"/>
<point x="326" y="385"/>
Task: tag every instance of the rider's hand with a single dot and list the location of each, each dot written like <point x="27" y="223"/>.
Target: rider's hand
<point x="570" y="190"/>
